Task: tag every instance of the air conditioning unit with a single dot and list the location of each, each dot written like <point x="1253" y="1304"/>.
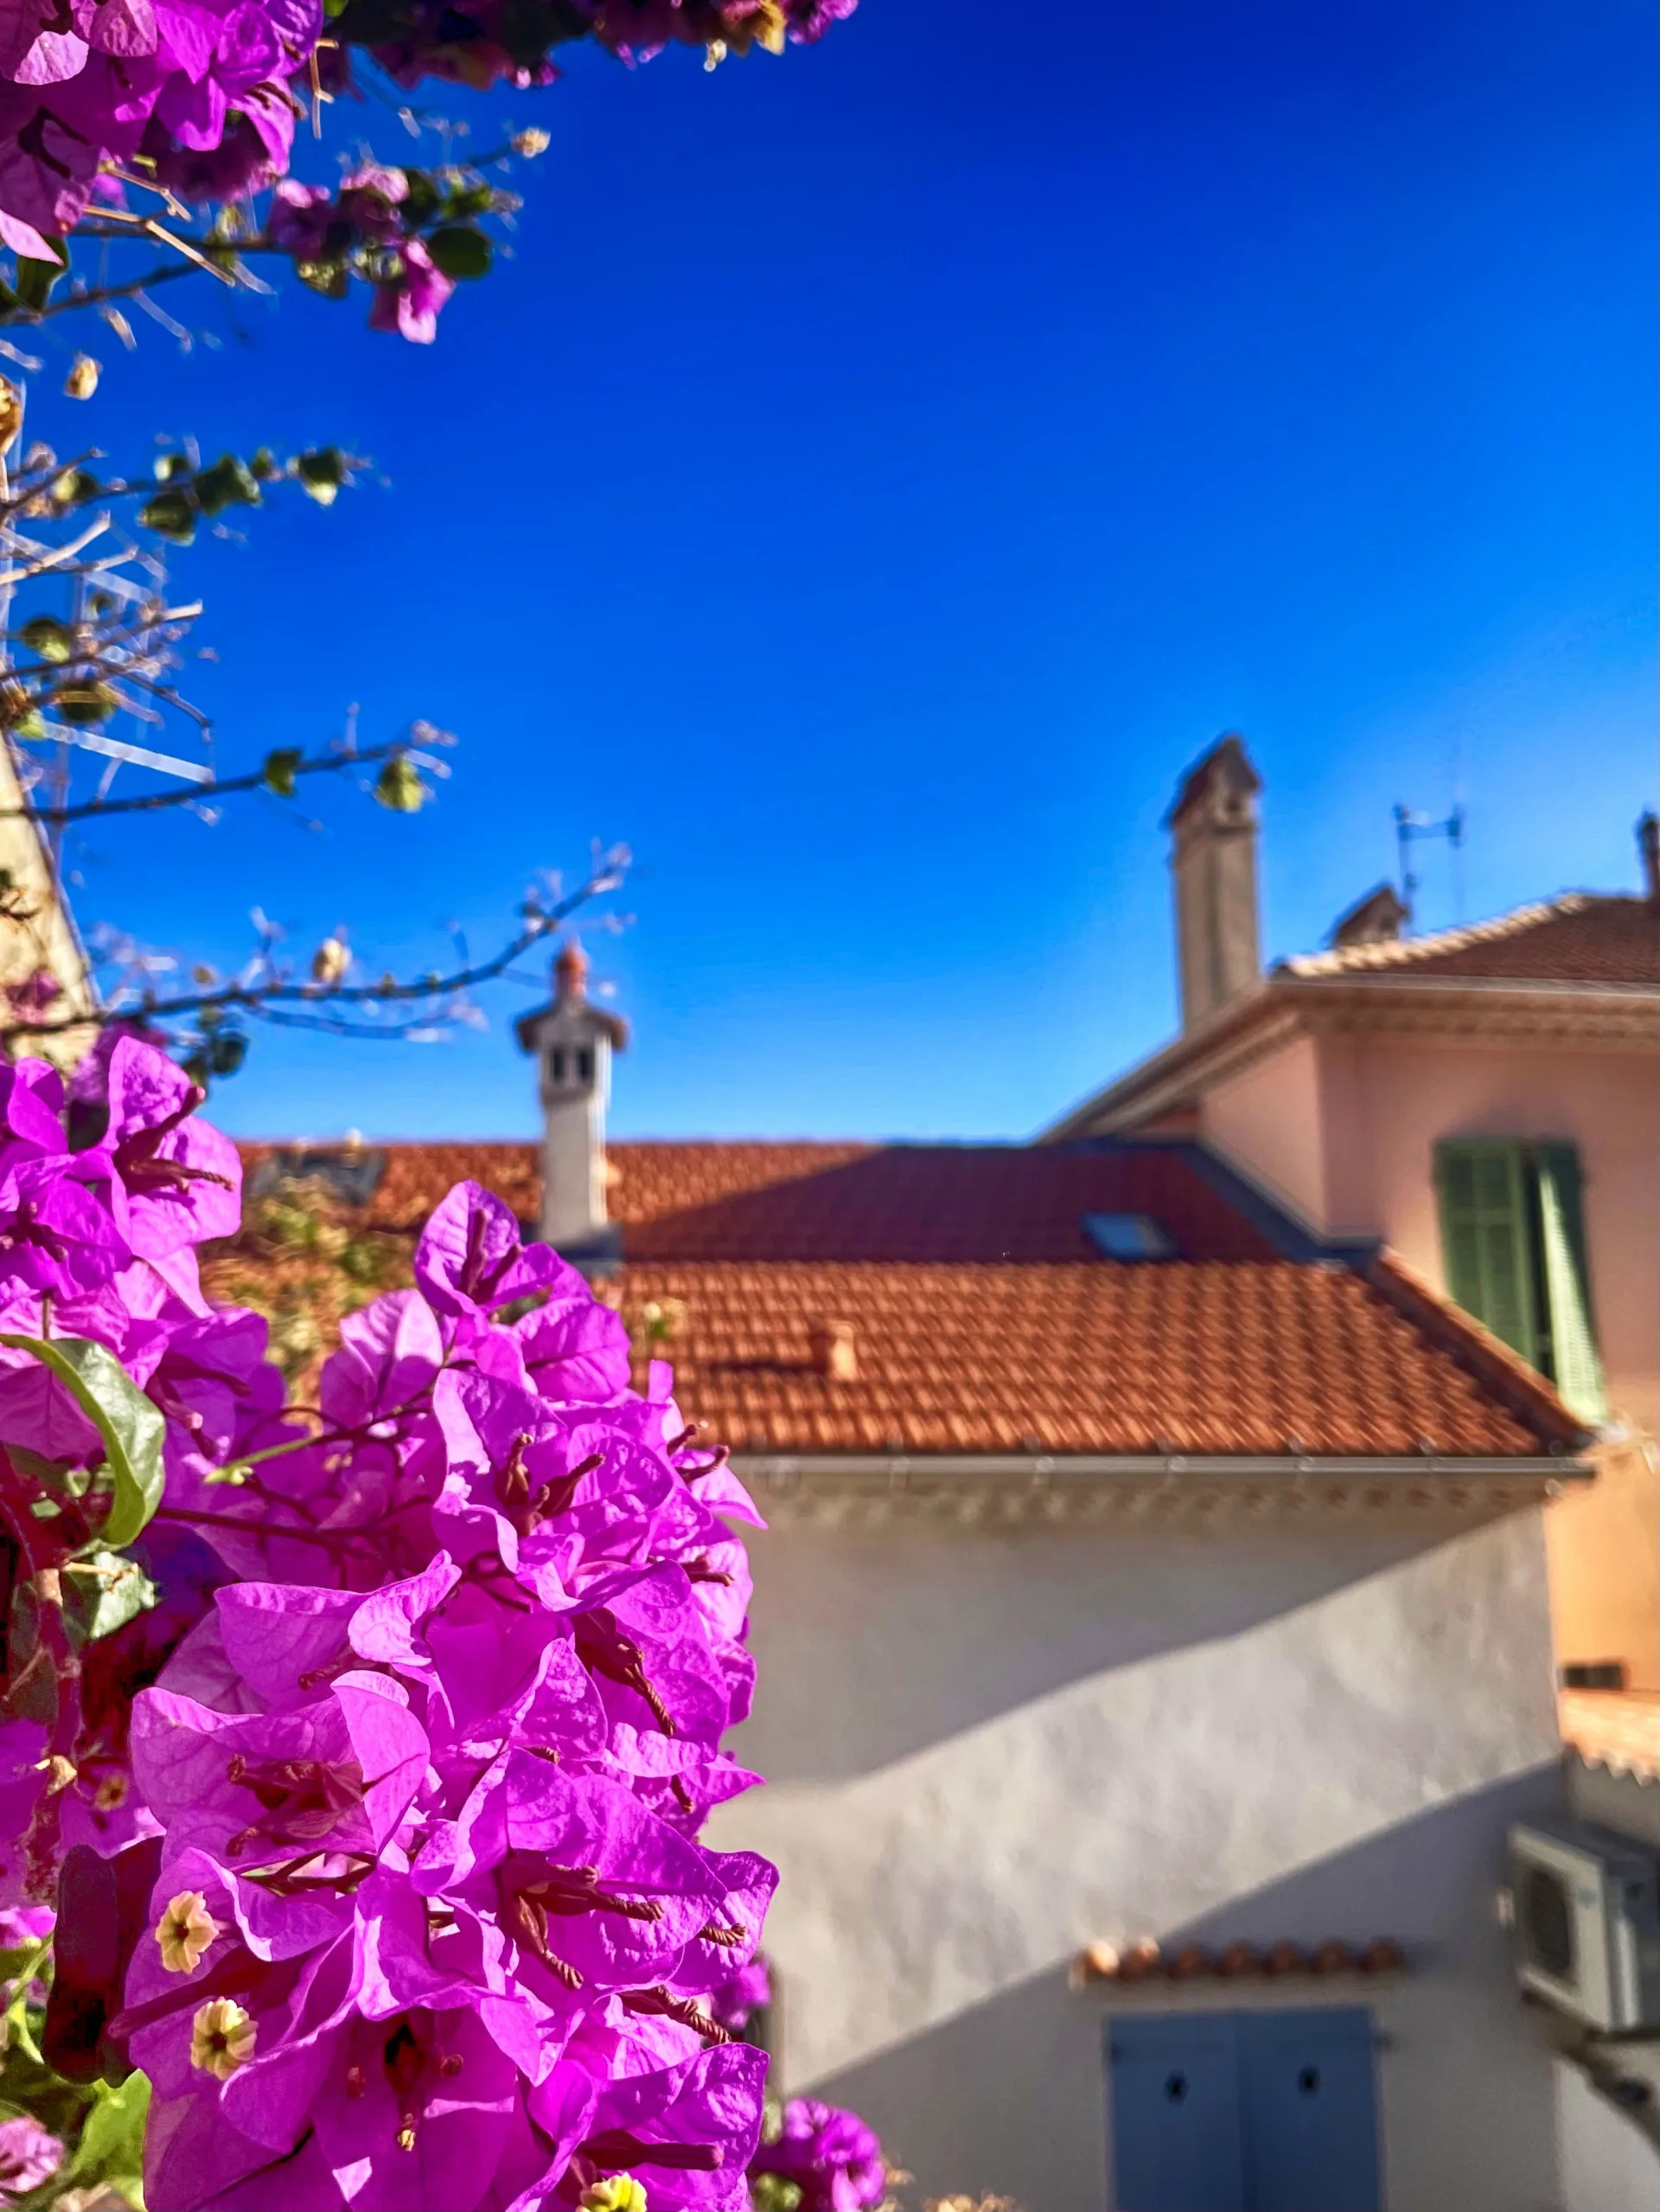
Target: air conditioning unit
<point x="1585" y="1916"/>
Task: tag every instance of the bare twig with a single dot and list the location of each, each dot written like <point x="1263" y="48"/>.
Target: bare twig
<point x="323" y="764"/>
<point x="269" y="1002"/>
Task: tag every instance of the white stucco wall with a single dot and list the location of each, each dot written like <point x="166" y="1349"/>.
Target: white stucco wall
<point x="988" y="1747"/>
<point x="1608" y="2164"/>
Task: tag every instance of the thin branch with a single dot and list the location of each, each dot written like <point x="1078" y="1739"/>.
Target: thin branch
<point x="325" y="764"/>
<point x="260" y="999"/>
<point x="163" y="274"/>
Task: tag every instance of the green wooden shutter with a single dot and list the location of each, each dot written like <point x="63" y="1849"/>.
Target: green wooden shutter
<point x="1576" y="1367"/>
<point x="1486" y="1247"/>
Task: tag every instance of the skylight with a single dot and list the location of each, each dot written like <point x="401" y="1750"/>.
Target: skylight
<point x="1129" y="1236"/>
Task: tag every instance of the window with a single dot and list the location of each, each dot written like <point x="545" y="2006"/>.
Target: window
<point x="1513" y="1244"/>
<point x="556" y="1063"/>
<point x="584" y="1065"/>
<point x="1244" y="2112"/>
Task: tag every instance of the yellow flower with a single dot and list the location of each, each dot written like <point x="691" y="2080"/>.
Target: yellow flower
<point x="529" y="143"/>
<point x="221" y="2038"/>
<point x="621" y="2194"/>
<point x="184" y="1932"/>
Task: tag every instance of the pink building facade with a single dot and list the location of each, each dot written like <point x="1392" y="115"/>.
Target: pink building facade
<point x="1486" y="1102"/>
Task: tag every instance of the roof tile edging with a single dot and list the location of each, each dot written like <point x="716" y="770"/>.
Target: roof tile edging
<point x="1521" y="1388"/>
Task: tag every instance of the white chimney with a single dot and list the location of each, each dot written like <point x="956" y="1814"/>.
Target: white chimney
<point x="573" y="1041"/>
<point x="1213" y="824"/>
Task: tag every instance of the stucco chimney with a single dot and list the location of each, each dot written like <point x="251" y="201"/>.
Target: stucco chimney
<point x="1648" y="844"/>
<point x="1213" y="830"/>
<point x="574" y="1042"/>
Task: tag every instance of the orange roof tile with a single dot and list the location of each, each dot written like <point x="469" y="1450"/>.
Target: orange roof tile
<point x="1619" y="1729"/>
<point x="1203" y="1357"/>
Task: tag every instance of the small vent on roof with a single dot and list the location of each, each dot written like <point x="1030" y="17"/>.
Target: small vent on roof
<point x="1129" y="1236"/>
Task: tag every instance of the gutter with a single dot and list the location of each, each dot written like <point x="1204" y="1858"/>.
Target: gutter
<point x="899" y="1470"/>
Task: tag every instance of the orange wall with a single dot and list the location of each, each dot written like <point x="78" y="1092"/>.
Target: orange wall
<point x="1344" y="1128"/>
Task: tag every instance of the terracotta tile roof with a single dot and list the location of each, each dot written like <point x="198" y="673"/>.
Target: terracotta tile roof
<point x="982" y="1318"/>
<point x="1582" y="937"/>
<point x="1619" y="1729"/>
<point x="923" y="1202"/>
<point x="1207" y="1356"/>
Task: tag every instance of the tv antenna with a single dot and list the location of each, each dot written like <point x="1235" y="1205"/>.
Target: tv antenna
<point x="1409" y="828"/>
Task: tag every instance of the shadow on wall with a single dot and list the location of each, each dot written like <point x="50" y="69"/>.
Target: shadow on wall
<point x="876" y="1643"/>
<point x="1009" y="2096"/>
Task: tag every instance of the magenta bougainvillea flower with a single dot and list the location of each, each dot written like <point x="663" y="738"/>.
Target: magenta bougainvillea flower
<point x="201" y="96"/>
<point x="28" y="2156"/>
<point x="377" y="1814"/>
<point x="832" y="2157"/>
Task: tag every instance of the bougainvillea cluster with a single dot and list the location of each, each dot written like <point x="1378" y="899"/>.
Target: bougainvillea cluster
<point x="200" y="97"/>
<point x="368" y="1774"/>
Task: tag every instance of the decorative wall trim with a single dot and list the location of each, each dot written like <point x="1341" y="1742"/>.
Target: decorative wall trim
<point x="1006" y="1489"/>
<point x="1469" y="1010"/>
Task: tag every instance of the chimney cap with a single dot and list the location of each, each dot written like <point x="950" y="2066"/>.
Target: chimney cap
<point x="1227" y="768"/>
<point x="1648" y="844"/>
<point x="571" y="970"/>
<point x="1375" y="920"/>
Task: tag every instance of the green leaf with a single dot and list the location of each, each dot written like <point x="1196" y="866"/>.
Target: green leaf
<point x="132" y="1429"/>
<point x="111" y="2143"/>
<point x="279" y="771"/>
<point x="399" y="786"/>
<point x="229" y="483"/>
<point x="322" y="474"/>
<point x="329" y="277"/>
<point x="171" y="515"/>
<point x="421" y="201"/>
<point x="54" y="640"/>
<point x="469" y="200"/>
<point x="461" y="251"/>
<point x="36" y="278"/>
<point x="84" y="704"/>
<point x="105" y="1590"/>
<point x="265" y="467"/>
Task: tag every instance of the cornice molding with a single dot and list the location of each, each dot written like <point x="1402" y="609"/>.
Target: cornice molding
<point x="1003" y="1490"/>
<point x="1465" y="1009"/>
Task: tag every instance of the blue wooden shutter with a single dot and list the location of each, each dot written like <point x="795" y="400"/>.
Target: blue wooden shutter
<point x="1174" y="2114"/>
<point x="1308" y="2110"/>
<point x="1576" y="1367"/>
<point x="1486" y="1240"/>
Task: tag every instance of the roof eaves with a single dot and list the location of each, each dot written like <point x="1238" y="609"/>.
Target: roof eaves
<point x="1174" y="1074"/>
<point x="1048" y="1486"/>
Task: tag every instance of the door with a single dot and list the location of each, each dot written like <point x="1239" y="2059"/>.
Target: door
<point x="1244" y="2112"/>
<point x="1174" y="2114"/>
<point x="1309" y="2109"/>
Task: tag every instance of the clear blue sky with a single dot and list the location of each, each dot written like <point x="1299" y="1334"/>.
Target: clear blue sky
<point x="879" y="471"/>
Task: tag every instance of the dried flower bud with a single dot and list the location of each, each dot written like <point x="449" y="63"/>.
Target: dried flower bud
<point x="532" y="142"/>
<point x="330" y="960"/>
<point x="82" y="379"/>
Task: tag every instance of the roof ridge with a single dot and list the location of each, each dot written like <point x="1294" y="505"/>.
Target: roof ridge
<point x="1402" y="951"/>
